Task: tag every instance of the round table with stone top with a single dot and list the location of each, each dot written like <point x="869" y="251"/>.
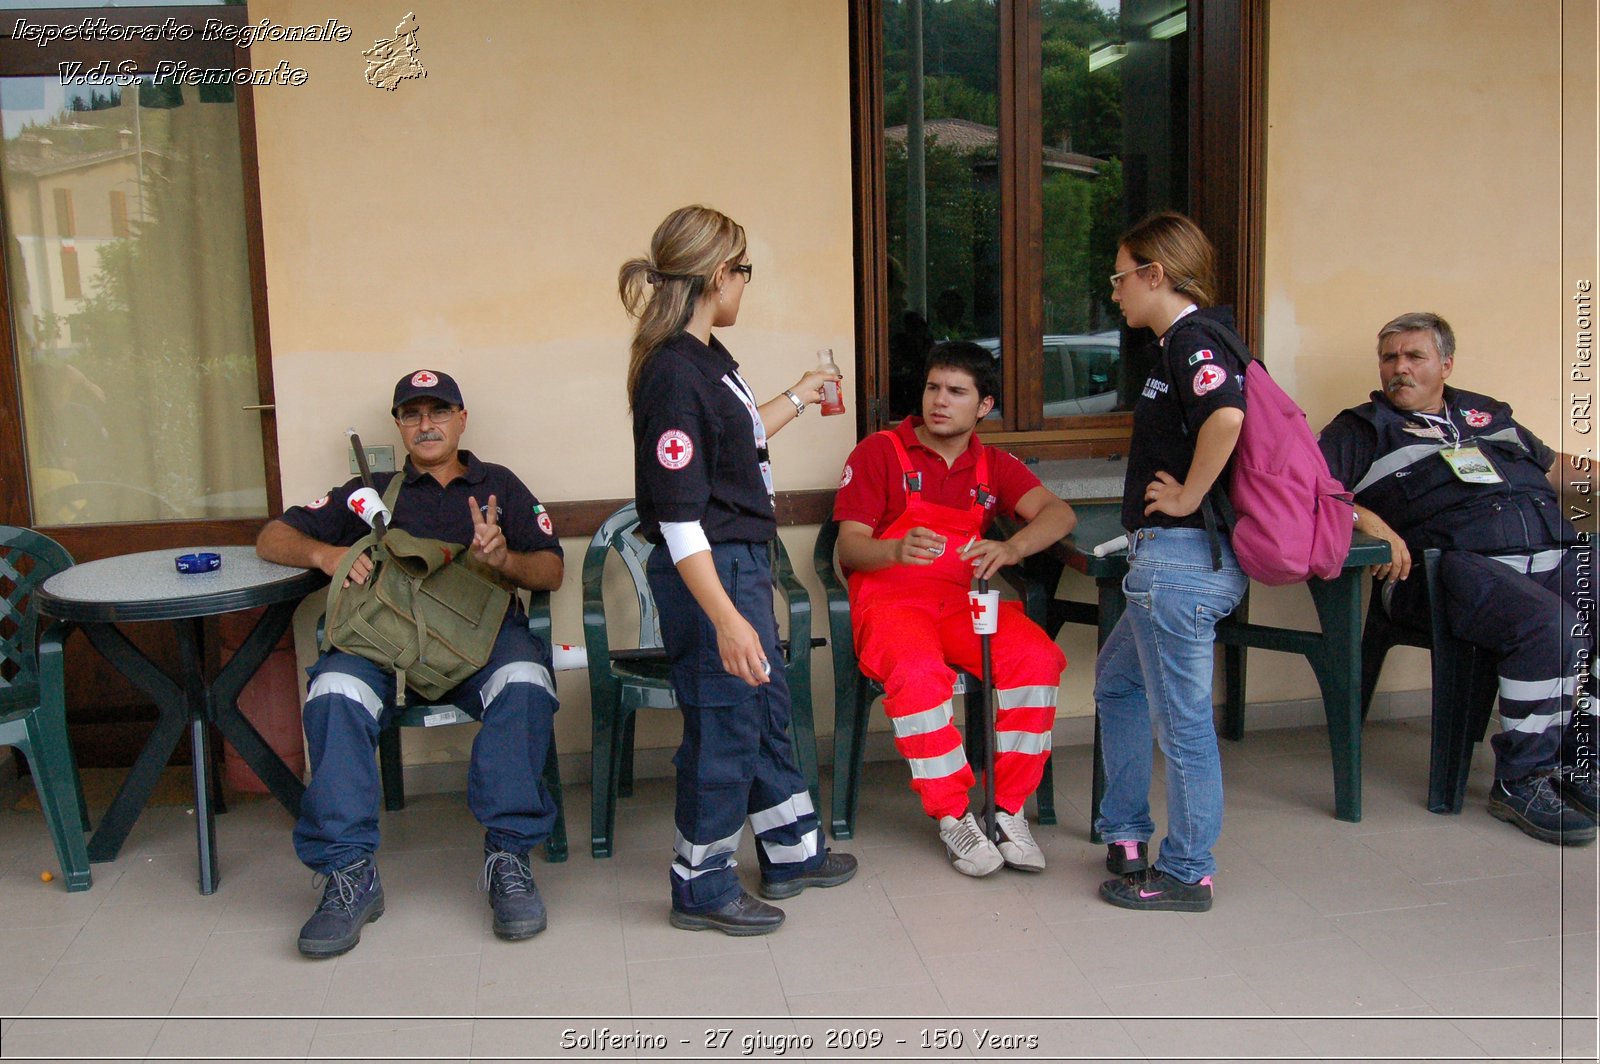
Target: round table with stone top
<point x="96" y="596"/>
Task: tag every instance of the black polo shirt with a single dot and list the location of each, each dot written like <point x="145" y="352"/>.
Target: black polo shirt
<point x="1200" y="371"/>
<point x="694" y="449"/>
<point x="432" y="510"/>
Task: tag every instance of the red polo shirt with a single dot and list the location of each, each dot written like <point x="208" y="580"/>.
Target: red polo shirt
<point x="872" y="490"/>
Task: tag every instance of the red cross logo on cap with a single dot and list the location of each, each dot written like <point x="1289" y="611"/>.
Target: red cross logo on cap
<point x="424" y="379"/>
<point x="674" y="449"/>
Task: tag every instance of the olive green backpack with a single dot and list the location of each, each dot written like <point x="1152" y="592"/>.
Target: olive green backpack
<point x="423" y="612"/>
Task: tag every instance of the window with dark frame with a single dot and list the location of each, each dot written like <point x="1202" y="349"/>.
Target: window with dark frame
<point x="1001" y="146"/>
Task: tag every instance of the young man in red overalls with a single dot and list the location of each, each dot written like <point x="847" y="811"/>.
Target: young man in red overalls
<point x="913" y="504"/>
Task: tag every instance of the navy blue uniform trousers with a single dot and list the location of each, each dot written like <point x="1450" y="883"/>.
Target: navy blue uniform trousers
<point x="736" y="760"/>
<point x="1524" y="610"/>
<point x="350" y="702"/>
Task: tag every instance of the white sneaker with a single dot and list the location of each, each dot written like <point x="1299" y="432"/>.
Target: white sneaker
<point x="970" y="851"/>
<point x="1016" y="842"/>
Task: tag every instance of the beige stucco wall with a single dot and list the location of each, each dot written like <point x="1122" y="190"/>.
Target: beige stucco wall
<point x="1414" y="163"/>
<point x="474" y="220"/>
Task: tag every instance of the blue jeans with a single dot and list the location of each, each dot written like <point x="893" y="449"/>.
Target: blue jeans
<point x="1154" y="675"/>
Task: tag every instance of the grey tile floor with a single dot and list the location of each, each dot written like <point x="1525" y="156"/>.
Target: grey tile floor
<point x="1408" y="935"/>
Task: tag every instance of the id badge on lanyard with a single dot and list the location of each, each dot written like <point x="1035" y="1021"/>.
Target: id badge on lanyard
<point x="1469" y="464"/>
<point x="736" y="384"/>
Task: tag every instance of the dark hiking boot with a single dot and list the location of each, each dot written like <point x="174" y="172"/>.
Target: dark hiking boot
<point x="1577" y="788"/>
<point x="351" y="897"/>
<point x="518" y="909"/>
<point x="744" y="915"/>
<point x="835" y="868"/>
<point x="1534" y="804"/>
<point x="1158" y="892"/>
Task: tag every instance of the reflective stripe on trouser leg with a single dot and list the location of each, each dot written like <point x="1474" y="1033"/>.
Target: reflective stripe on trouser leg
<point x="344" y="713"/>
<point x="514" y="698"/>
<point x="898" y="645"/>
<point x="1524" y="622"/>
<point x="736" y="759"/>
<point x="1027" y="667"/>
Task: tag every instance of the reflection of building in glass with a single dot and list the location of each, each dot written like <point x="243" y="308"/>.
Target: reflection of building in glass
<point x="129" y="285"/>
<point x="71" y="187"/>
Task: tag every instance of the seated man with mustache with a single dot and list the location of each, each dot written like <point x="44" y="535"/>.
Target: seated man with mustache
<point x="446" y="494"/>
<point x="1436" y="467"/>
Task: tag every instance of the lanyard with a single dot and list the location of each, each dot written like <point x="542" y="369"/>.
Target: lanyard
<point x="736" y="384"/>
<point x="1436" y="421"/>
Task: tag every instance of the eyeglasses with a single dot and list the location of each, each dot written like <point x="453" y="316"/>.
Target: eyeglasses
<point x="747" y="269"/>
<point x="1116" y="278"/>
<point x="437" y="415"/>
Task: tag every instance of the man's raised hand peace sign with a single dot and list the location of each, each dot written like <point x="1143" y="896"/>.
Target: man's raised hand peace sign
<point x="488" y="541"/>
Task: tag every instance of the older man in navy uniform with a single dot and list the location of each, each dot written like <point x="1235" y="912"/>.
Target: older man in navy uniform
<point x="447" y="494"/>
<point x="1432" y="466"/>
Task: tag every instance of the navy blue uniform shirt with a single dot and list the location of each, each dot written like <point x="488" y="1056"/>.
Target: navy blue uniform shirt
<point x="429" y="509"/>
<point x="694" y="447"/>
<point x="1391" y="460"/>
<point x="1200" y="371"/>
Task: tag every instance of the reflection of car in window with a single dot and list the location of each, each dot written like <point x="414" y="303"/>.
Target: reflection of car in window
<point x="1080" y="372"/>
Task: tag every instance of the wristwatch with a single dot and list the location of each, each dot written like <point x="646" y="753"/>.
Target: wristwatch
<point x="799" y="407"/>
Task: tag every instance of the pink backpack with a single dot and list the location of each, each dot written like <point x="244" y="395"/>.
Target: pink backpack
<point x="1292" y="519"/>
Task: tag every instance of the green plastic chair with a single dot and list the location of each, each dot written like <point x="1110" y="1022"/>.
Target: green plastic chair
<point x="391" y="764"/>
<point x="854" y="693"/>
<point x="625" y="681"/>
<point x="33" y="710"/>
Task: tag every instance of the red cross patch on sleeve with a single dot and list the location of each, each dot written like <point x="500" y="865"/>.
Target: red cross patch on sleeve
<point x="545" y="525"/>
<point x="317" y="504"/>
<point x="674" y="449"/>
<point x="1209" y="378"/>
<point x="845" y="477"/>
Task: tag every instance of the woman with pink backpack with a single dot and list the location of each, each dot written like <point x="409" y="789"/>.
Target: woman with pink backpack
<point x="1153" y="676"/>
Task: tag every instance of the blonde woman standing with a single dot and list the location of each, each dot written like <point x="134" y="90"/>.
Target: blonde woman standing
<point x="703" y="482"/>
<point x="1154" y="673"/>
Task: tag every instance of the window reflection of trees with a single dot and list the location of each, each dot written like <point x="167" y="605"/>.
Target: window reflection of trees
<point x="945" y="268"/>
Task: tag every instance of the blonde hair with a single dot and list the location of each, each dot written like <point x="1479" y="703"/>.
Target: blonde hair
<point x="661" y="291"/>
<point x="1182" y="249"/>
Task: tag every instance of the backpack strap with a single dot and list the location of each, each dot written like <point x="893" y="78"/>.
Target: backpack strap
<point x="1218" y="515"/>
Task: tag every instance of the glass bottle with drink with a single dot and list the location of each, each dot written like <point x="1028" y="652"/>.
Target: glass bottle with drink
<point x="832" y="395"/>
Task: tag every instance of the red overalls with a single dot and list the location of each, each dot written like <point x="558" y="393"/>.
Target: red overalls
<point x="910" y="620"/>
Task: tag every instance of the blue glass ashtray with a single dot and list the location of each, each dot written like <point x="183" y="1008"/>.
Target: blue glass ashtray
<point x="204" y="562"/>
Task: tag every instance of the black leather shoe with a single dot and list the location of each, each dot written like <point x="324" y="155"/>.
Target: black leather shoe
<point x="835" y="868"/>
<point x="744" y="915"/>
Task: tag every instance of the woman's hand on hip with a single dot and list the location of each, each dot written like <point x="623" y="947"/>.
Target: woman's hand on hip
<point x="1165" y="495"/>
